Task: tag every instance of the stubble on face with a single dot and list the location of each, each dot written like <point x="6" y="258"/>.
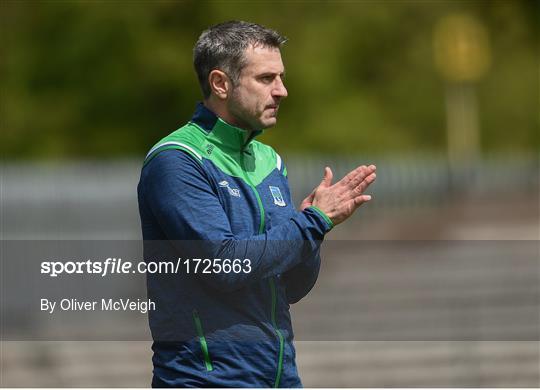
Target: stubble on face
<point x="254" y="101"/>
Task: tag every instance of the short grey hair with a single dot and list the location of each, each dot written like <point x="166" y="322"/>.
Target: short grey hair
<point x="222" y="47"/>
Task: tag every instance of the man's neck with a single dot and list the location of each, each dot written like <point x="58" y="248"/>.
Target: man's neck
<point x="222" y="113"/>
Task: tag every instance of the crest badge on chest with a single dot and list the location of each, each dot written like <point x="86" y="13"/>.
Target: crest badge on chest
<point x="278" y="198"/>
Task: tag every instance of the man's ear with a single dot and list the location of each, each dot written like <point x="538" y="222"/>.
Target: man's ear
<point x="220" y="84"/>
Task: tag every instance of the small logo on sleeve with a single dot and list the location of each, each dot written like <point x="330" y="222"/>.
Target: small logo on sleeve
<point x="232" y="191"/>
<point x="278" y="198"/>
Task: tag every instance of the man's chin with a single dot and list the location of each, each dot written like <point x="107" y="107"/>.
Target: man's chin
<point x="268" y="122"/>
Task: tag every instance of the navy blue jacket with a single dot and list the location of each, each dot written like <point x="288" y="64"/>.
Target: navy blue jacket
<point x="208" y="190"/>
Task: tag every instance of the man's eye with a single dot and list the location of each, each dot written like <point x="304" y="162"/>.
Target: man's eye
<point x="267" y="79"/>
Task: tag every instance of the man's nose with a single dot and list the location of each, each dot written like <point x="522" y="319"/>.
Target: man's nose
<point x="279" y="89"/>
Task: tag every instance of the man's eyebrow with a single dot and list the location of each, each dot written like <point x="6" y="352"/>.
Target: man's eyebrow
<point x="264" y="74"/>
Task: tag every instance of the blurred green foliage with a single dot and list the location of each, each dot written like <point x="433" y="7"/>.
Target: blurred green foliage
<point x="109" y="78"/>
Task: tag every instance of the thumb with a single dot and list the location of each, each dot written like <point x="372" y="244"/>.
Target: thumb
<point x="327" y="179"/>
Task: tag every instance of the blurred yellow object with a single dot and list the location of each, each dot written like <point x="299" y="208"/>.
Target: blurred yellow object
<point x="462" y="51"/>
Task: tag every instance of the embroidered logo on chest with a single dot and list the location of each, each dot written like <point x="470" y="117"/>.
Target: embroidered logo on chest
<point x="232" y="191"/>
<point x="278" y="198"/>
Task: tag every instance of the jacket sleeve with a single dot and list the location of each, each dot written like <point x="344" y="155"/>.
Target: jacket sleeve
<point x="300" y="279"/>
<point x="176" y="189"/>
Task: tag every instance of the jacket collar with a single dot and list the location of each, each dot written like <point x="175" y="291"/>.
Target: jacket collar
<point x="220" y="131"/>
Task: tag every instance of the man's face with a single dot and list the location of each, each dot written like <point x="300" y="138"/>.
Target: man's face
<point x="254" y="101"/>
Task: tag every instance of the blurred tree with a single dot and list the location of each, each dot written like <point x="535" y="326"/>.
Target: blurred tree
<point x="110" y="78"/>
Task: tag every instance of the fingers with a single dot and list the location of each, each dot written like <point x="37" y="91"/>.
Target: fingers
<point x="327" y="179"/>
<point x="365" y="183"/>
<point x="355" y="177"/>
<point x="359" y="200"/>
<point x="364" y="173"/>
<point x="310" y="196"/>
<point x="349" y="177"/>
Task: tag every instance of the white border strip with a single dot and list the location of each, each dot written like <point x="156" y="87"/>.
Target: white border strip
<point x="175" y="143"/>
<point x="278" y="162"/>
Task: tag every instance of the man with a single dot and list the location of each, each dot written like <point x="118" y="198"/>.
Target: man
<point x="209" y="190"/>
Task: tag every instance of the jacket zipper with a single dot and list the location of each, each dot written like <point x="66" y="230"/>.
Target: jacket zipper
<point x="270" y="281"/>
<point x="202" y="341"/>
<point x="278" y="332"/>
